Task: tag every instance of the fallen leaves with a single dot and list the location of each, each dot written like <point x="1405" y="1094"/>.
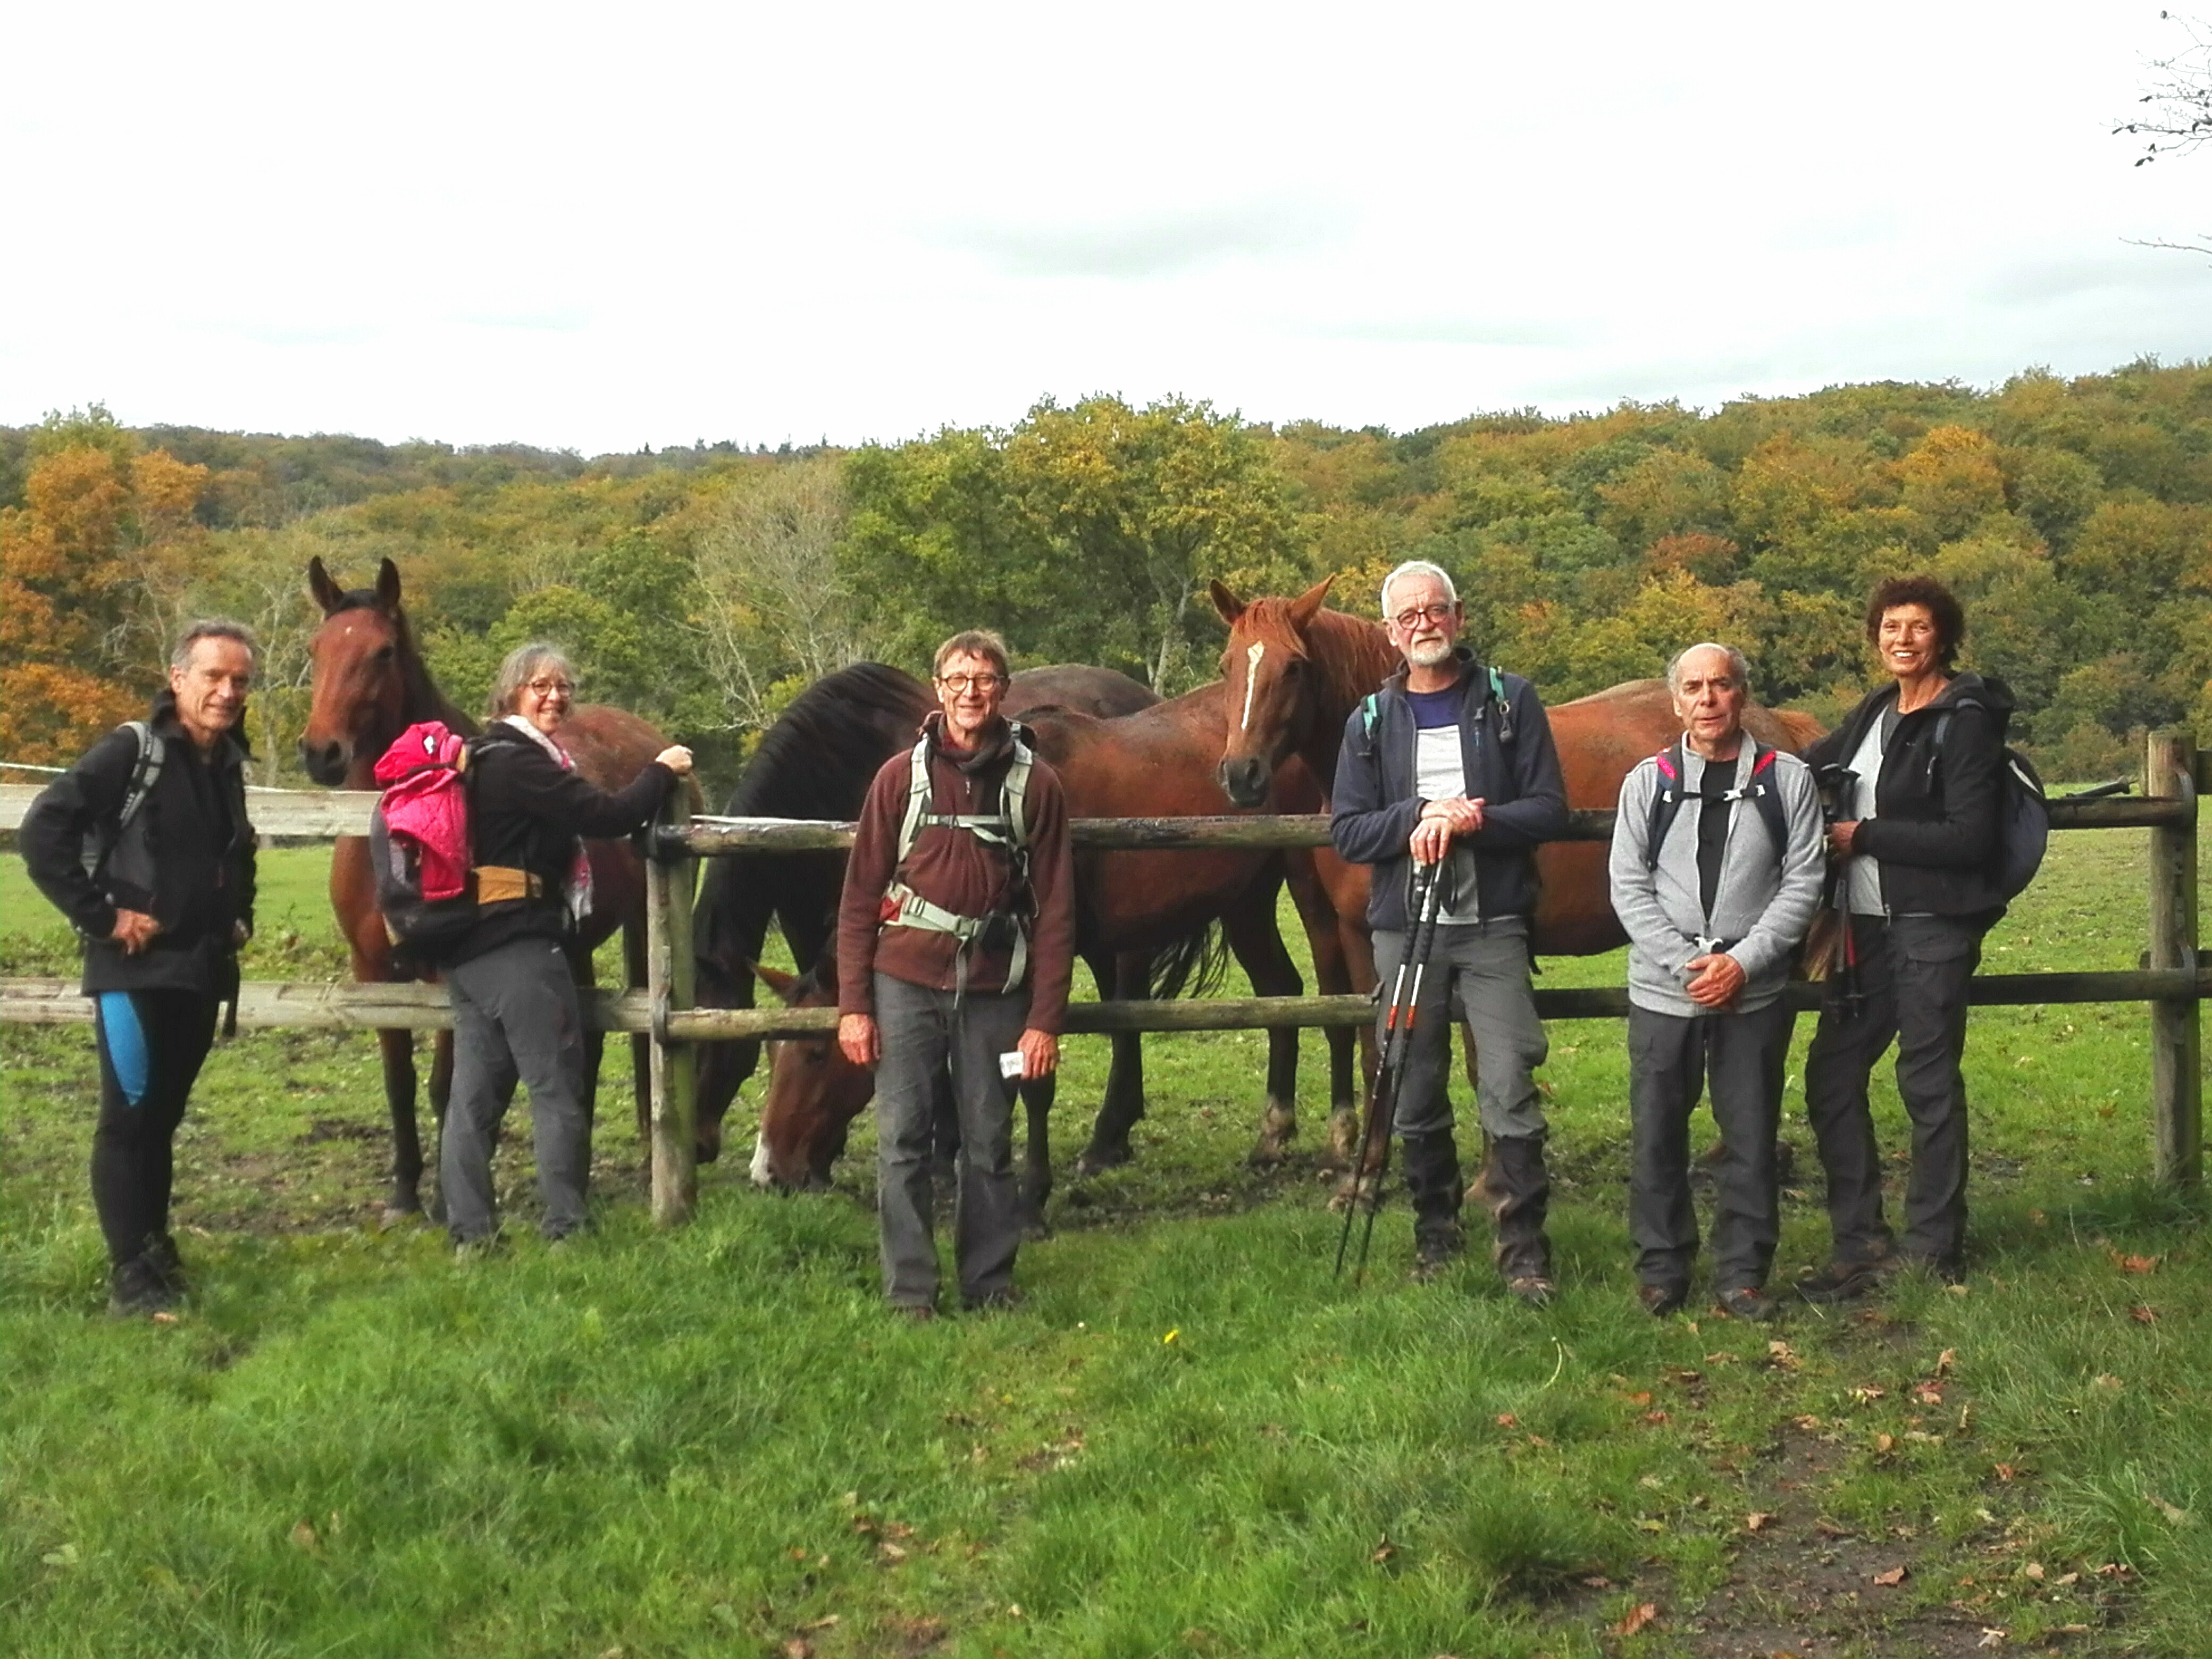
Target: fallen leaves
<point x="2136" y="1264"/>
<point x="1992" y="1637"/>
<point x="2143" y="1315"/>
<point x="2174" y="1513"/>
<point x="1782" y="1357"/>
<point x="1637" y="1617"/>
<point x="2006" y="1472"/>
<point x="1757" y="1521"/>
<point x="1893" y="1577"/>
<point x="1384" y="1550"/>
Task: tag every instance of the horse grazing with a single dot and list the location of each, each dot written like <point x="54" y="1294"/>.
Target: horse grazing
<point x="1133" y="910"/>
<point x="371" y="684"/>
<point x="1295" y="672"/>
<point x="817" y="761"/>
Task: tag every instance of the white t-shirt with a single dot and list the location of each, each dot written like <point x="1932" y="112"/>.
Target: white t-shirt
<point x="1439" y="775"/>
<point x="1865" y="873"/>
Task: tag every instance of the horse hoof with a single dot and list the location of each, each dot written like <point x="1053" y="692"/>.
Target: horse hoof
<point x="1098" y="1159"/>
<point x="1267" y="1152"/>
<point x="398" y="1214"/>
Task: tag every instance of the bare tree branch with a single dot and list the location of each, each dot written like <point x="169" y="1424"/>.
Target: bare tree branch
<point x="2179" y="100"/>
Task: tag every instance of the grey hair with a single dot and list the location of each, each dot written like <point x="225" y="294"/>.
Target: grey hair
<point x="211" y="628"/>
<point x="1737" y="666"/>
<point x="521" y="666"/>
<point x="983" y="642"/>
<point x="1419" y="567"/>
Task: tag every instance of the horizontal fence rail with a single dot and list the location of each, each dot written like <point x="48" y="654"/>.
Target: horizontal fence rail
<point x="311" y="815"/>
<point x="263" y="1004"/>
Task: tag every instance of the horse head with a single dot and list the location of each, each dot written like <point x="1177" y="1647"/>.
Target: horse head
<point x="813" y="1092"/>
<point x="1272" y="687"/>
<point x="362" y="654"/>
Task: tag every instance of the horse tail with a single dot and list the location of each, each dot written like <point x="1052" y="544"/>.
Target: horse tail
<point x="1193" y="965"/>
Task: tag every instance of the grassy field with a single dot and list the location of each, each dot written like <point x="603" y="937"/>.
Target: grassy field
<point x="1190" y="1440"/>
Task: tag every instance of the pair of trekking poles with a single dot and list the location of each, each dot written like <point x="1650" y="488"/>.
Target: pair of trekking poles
<point x="1390" y="1072"/>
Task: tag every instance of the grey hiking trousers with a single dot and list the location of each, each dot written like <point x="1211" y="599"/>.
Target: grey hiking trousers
<point x="1479" y="972"/>
<point x="1669" y="1059"/>
<point x="924" y="1033"/>
<point x="515" y="1018"/>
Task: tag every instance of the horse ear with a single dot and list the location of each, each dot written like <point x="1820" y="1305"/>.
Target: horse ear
<point x="387" y="587"/>
<point x="785" y="985"/>
<point x="1307" y="605"/>
<point x="327" y="593"/>
<point x="1225" y="602"/>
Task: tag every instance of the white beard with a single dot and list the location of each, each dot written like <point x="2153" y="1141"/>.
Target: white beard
<point x="1432" y="654"/>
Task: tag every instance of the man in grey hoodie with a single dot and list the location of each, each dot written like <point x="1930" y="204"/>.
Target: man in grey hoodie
<point x="1715" y="869"/>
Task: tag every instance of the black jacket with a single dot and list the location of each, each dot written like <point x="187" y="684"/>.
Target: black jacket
<point x="1374" y="806"/>
<point x="202" y="848"/>
<point x="1936" y="808"/>
<point x="525" y="812"/>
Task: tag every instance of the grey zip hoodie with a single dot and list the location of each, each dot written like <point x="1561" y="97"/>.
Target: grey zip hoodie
<point x="1764" y="902"/>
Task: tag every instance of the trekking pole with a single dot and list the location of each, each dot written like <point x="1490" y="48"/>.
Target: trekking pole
<point x="1397" y="1038"/>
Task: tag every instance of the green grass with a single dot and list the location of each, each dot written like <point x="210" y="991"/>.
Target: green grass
<point x="1190" y="1440"/>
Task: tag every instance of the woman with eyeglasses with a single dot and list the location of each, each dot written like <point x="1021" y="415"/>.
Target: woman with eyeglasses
<point x="515" y="1012"/>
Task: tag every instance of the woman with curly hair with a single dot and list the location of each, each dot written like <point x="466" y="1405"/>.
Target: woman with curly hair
<point x="1918" y="842"/>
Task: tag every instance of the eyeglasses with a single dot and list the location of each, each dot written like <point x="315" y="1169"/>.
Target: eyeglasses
<point x="546" y="688"/>
<point x="1409" y="620"/>
<point x="957" y="683"/>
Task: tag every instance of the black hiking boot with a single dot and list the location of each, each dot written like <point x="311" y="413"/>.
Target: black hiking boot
<point x="135" y="1291"/>
<point x="1845" y="1281"/>
<point x="1521" y="1191"/>
<point x="160" y="1255"/>
<point x="1432" y="1181"/>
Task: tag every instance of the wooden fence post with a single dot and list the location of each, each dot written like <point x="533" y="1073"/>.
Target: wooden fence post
<point x="2177" y="1067"/>
<point x="669" y="976"/>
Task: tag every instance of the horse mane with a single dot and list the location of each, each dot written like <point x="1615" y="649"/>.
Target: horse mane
<point x="819" y="757"/>
<point x="424" y="701"/>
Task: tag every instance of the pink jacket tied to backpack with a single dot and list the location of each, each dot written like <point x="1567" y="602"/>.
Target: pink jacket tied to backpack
<point x="423" y="802"/>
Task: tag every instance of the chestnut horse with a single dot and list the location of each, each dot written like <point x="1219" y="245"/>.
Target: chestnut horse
<point x="817" y="761"/>
<point x="371" y="684"/>
<point x="1294" y="673"/>
<point x="1158" y="762"/>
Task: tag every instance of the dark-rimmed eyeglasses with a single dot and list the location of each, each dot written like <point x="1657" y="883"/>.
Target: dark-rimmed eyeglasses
<point x="1409" y="620"/>
<point x="957" y="683"/>
<point x="546" y="688"/>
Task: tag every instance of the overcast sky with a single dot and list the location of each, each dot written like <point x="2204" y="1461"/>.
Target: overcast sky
<point x="610" y="226"/>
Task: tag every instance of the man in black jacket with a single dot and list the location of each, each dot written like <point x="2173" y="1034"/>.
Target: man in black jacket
<point x="1917" y="842"/>
<point x="1453" y="761"/>
<point x="144" y="845"/>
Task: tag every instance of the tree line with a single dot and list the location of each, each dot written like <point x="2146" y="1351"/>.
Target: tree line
<point x="704" y="586"/>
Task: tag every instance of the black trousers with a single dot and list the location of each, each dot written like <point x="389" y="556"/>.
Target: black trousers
<point x="1669" y="1060"/>
<point x="1912" y="976"/>
<point x="151" y="1046"/>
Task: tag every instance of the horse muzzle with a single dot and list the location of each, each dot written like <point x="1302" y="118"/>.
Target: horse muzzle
<point x="325" y="762"/>
<point x="1245" y="779"/>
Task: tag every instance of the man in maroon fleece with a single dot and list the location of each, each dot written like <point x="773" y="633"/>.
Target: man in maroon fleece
<point x="955" y="940"/>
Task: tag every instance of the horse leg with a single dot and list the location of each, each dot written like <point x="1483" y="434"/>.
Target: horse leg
<point x="1333" y="973"/>
<point x="1123" y="977"/>
<point x="442" y="1089"/>
<point x="1257" y="944"/>
<point x="1036" y="1172"/>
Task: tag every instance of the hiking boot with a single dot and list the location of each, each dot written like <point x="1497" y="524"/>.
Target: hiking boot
<point x="136" y="1290"/>
<point x="1522" y="1189"/>
<point x="1843" y="1281"/>
<point x="160" y="1255"/>
<point x="1432" y="1181"/>
<point x="482" y="1248"/>
<point x="1750" y="1303"/>
<point x="914" y="1313"/>
<point x="1660" y="1299"/>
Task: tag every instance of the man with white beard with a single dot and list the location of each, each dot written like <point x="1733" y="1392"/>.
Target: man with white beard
<point x="1452" y="761"/>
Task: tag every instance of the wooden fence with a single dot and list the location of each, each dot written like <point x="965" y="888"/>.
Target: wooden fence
<point x="2174" y="978"/>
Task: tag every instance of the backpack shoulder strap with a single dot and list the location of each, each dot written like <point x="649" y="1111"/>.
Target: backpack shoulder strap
<point x="1666" y="801"/>
<point x="917" y="800"/>
<point x="152" y="751"/>
<point x="1765" y="792"/>
<point x="1014" y="792"/>
<point x="1497" y="700"/>
<point x="1368" y="706"/>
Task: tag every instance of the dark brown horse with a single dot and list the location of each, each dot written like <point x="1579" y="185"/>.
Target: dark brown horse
<point x="1158" y="762"/>
<point x="817" y="761"/>
<point x="370" y="685"/>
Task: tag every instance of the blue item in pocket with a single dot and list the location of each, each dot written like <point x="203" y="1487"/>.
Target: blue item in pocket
<point x="124" y="1039"/>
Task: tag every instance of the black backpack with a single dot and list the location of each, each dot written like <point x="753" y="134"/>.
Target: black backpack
<point x="2023" y="817"/>
<point x="112" y="852"/>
